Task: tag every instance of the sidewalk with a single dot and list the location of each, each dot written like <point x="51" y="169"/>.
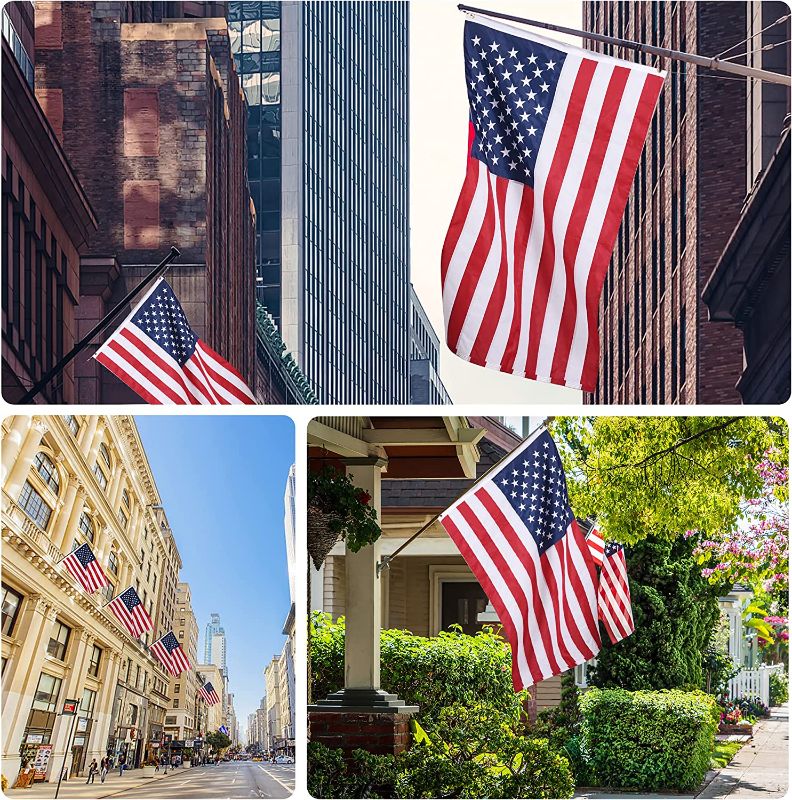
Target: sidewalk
<point x="760" y="769"/>
<point x="77" y="789"/>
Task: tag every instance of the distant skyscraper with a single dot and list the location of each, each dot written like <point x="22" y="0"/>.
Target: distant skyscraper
<point x="213" y="628"/>
<point x="290" y="527"/>
<point x="425" y="384"/>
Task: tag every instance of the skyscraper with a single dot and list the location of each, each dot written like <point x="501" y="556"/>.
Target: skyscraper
<point x="327" y="138"/>
<point x="213" y="628"/>
<point x="290" y="526"/>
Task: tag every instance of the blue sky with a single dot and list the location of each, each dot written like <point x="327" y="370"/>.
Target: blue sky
<point x="222" y="479"/>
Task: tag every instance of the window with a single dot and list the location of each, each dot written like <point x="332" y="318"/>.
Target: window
<point x="137" y="676"/>
<point x="176" y="688"/>
<point x="125" y="498"/>
<point x="71" y="423"/>
<point x="11" y="602"/>
<point x="47" y="691"/>
<point x="122" y="519"/>
<point x="46" y="469"/>
<point x="32" y="503"/>
<point x="59" y="640"/>
<point x="112" y="563"/>
<point x="170" y="720"/>
<point x="108" y="592"/>
<point x="105" y="454"/>
<point x="86" y="526"/>
<point x="176" y="703"/>
<point x="96" y="660"/>
<point x="181" y="634"/>
<point x="101" y="478"/>
<point x="88" y="701"/>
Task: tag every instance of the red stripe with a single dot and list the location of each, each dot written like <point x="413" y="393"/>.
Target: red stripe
<point x="196" y="359"/>
<point x="555" y="179"/>
<point x="208" y="357"/>
<point x="473" y="270"/>
<point x="580" y="213"/>
<point x="613" y="217"/>
<point x="128" y="380"/>
<point x="214" y="356"/>
<point x="575" y="538"/>
<point x="116" y="347"/>
<point x="489" y="323"/>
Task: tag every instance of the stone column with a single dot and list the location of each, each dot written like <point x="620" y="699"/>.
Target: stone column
<point x="103" y="711"/>
<point x="21" y="678"/>
<point x="12" y="443"/>
<point x="19" y="471"/>
<point x="93" y="451"/>
<point x="88" y="435"/>
<point x="66" y="521"/>
<point x="115" y="486"/>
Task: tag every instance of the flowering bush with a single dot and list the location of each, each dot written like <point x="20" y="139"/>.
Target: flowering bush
<point x="731" y="713"/>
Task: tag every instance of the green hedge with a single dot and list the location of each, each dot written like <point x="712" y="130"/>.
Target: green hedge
<point x="432" y="673"/>
<point x="648" y="740"/>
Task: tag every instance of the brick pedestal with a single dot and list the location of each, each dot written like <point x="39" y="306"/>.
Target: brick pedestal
<point x="379" y="733"/>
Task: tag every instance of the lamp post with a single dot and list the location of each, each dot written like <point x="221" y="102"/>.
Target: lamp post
<point x="69" y="710"/>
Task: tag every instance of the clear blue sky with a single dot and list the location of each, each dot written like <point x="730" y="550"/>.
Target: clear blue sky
<point x="222" y="479"/>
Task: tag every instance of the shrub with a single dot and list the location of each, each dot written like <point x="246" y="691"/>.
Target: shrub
<point x="365" y="775"/>
<point x="430" y="672"/>
<point x="779" y="689"/>
<point x="753" y="707"/>
<point x="648" y="740"/>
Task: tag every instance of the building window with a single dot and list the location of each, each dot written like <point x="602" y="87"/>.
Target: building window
<point x="108" y="592"/>
<point x="59" y="641"/>
<point x="101" y="478"/>
<point x="46" y="469"/>
<point x="112" y="563"/>
<point x="96" y="660"/>
<point x="86" y="526"/>
<point x="47" y="691"/>
<point x="176" y="703"/>
<point x="122" y="519"/>
<point x="170" y="720"/>
<point x="11" y="602"/>
<point x="105" y="454"/>
<point x="32" y="503"/>
<point x="71" y="423"/>
<point x="88" y="701"/>
<point x="125" y="498"/>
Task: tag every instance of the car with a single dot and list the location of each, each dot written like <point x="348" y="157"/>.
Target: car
<point x="284" y="760"/>
<point x="257" y="758"/>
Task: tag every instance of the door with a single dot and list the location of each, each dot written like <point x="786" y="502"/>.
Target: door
<point x="462" y="602"/>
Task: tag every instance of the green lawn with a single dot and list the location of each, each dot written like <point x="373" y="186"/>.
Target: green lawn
<point x="723" y="753"/>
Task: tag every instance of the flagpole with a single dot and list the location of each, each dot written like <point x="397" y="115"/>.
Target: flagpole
<point x="384" y="562"/>
<point x="158" y="271"/>
<point x="678" y="55"/>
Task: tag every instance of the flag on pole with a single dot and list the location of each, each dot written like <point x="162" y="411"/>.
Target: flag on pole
<point x="156" y="353"/>
<point x="555" y="135"/>
<point x="170" y="653"/>
<point x="128" y="607"/>
<point x="207" y="691"/>
<point x="223" y="729"/>
<point x="615" y="606"/>
<point x="84" y="568"/>
<point x="596" y="545"/>
<point x="517" y="532"/>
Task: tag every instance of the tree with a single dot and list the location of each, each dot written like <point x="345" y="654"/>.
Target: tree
<point x="218" y="741"/>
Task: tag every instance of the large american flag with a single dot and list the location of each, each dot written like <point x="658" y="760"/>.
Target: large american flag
<point x="158" y="355"/>
<point x="83" y="566"/>
<point x="615" y="606"/>
<point x="170" y="653"/>
<point x="129" y="609"/>
<point x="518" y="534"/>
<point x="555" y="136"/>
<point x="209" y="694"/>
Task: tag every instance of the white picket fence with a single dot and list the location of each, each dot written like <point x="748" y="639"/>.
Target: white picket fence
<point x="754" y="682"/>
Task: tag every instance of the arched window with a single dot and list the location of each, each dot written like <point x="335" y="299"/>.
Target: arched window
<point x="105" y="454"/>
<point x="47" y="470"/>
<point x="125" y="498"/>
<point x="71" y="423"/>
<point x="86" y="526"/>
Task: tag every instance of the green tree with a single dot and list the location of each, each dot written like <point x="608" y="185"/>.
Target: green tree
<point x="218" y="741"/>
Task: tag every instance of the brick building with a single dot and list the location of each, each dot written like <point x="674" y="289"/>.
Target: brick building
<point x="152" y="118"/>
<point x="47" y="220"/>
<point x="657" y="342"/>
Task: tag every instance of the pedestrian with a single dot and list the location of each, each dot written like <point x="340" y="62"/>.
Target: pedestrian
<point x="105" y="765"/>
<point x="92" y="770"/>
<point x="121" y="765"/>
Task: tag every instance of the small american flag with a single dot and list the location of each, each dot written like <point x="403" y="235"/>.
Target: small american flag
<point x="518" y="534"/>
<point x="170" y="653"/>
<point x="555" y="136"/>
<point x="596" y="545"/>
<point x="207" y="691"/>
<point x="615" y="606"/>
<point x="84" y="567"/>
<point x="129" y="609"/>
<point x="223" y="729"/>
<point x="156" y="353"/>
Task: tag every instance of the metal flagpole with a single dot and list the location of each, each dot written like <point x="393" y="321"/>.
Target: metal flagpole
<point x="66" y="754"/>
<point x="384" y="562"/>
<point x="158" y="271"/>
<point x="717" y="64"/>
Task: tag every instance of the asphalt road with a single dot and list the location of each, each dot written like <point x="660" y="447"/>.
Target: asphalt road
<point x="246" y="779"/>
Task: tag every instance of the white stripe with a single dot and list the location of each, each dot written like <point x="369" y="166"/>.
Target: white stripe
<point x="617" y="580"/>
<point x="231" y="377"/>
<point x="131" y="347"/>
<point x="578" y="558"/>
<point x="514" y="197"/>
<point x="458" y="263"/>
<point x="544" y="162"/>
<point x="616" y="595"/>
<point x="485" y="285"/>
<point x="553" y="556"/>
<point x="600" y="203"/>
<point x="503" y="591"/>
<point x="570" y="191"/>
<point x="198" y="359"/>
<point x="120" y="361"/>
<point x="607" y="617"/>
<point x="192" y="367"/>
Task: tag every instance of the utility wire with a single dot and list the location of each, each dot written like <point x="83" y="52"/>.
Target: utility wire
<point x="758" y="33"/>
<point x="758" y="50"/>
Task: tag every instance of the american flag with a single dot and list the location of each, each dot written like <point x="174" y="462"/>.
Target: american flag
<point x="156" y="353"/>
<point x="207" y="691"/>
<point x="170" y="653"/>
<point x="130" y="612"/>
<point x="615" y="606"/>
<point x="596" y="546"/>
<point x="517" y="532"/>
<point x="555" y="136"/>
<point x="84" y="567"/>
<point x="223" y="729"/>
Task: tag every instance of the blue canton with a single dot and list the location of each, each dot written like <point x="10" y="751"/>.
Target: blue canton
<point x="84" y="555"/>
<point x="130" y="598"/>
<point x="535" y="485"/>
<point x="169" y="642"/>
<point x="161" y="318"/>
<point x="511" y="85"/>
<point x="612" y="548"/>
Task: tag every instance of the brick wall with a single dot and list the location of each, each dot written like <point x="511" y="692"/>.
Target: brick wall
<point x="378" y="733"/>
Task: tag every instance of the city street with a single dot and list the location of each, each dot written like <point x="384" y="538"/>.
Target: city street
<point x="245" y="779"/>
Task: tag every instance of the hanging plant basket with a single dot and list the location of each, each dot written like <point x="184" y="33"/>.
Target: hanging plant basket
<point x="321" y="538"/>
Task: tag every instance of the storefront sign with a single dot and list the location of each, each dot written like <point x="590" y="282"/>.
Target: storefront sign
<point x="155" y="744"/>
<point x="188" y="743"/>
<point x="79" y="741"/>
<point x="40" y="762"/>
<point x="35" y="738"/>
<point x="82" y="724"/>
<point x="70" y="707"/>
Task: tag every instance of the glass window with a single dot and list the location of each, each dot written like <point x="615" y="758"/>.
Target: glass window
<point x="176" y="702"/>
<point x="72" y="423"/>
<point x="59" y="640"/>
<point x="125" y="498"/>
<point x="32" y="503"/>
<point x="96" y="660"/>
<point x="122" y="519"/>
<point x="47" y="691"/>
<point x="88" y="701"/>
<point x="105" y="454"/>
<point x="108" y="591"/>
<point x="46" y="469"/>
<point x="86" y="526"/>
<point x="112" y="563"/>
<point x="101" y="478"/>
<point x="11" y="602"/>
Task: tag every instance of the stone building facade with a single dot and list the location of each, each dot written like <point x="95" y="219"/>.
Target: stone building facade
<point x="66" y="481"/>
